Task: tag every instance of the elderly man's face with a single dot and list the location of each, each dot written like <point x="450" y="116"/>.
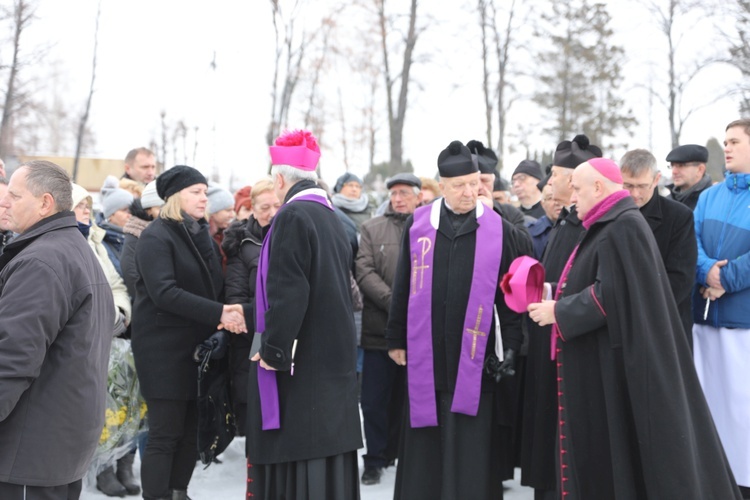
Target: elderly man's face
<point x="22" y="208"/>
<point x="584" y="191"/>
<point x="551" y="206"/>
<point x="351" y="190"/>
<point x="524" y="187"/>
<point x="461" y="192"/>
<point x="560" y="182"/>
<point x="488" y="184"/>
<point x="403" y="198"/>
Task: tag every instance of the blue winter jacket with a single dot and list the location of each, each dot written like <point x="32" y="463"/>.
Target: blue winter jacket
<point x="722" y="228"/>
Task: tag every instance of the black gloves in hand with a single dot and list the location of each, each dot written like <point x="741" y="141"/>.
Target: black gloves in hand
<point x="216" y="344"/>
<point x="497" y="369"/>
<point x="508" y="366"/>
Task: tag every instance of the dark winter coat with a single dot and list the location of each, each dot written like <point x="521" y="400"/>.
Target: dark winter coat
<point x="539" y="231"/>
<point x="379" y="246"/>
<point x="539" y="428"/>
<point x="177" y="306"/>
<point x="309" y="296"/>
<point x="674" y="230"/>
<point x="241" y="244"/>
<point x="451" y="283"/>
<point x="56" y="317"/>
<point x="633" y="423"/>
<point x="132" y="230"/>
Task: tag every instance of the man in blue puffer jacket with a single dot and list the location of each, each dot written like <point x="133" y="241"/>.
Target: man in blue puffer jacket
<point x="722" y="298"/>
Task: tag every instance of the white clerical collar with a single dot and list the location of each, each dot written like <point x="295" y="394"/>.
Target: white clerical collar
<point x="311" y="191"/>
<point x="435" y="212"/>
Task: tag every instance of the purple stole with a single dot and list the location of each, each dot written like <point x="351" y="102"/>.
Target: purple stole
<point x="269" y="391"/>
<point x="477" y="323"/>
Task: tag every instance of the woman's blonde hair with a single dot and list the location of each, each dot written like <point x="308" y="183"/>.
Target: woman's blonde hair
<point x="172" y="209"/>
<point x="260" y="187"/>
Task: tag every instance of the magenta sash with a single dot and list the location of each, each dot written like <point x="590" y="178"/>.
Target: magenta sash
<point x="477" y="322"/>
<point x="267" y="386"/>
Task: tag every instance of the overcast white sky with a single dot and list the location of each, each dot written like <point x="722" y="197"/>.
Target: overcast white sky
<point x="156" y="55"/>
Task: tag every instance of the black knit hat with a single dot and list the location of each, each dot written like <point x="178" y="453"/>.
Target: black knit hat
<point x="500" y="184"/>
<point x="485" y="158"/>
<point x="176" y="179"/>
<point x="529" y="167"/>
<point x="346" y="178"/>
<point x="456" y="160"/>
<point x="570" y="154"/>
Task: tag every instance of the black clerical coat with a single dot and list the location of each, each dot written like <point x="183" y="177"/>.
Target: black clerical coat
<point x="309" y="297"/>
<point x="539" y="426"/>
<point x="460" y="457"/>
<point x="674" y="230"/>
<point x="634" y="423"/>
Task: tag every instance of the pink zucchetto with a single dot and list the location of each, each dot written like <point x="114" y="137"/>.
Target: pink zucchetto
<point x="296" y="148"/>
<point x="608" y="168"/>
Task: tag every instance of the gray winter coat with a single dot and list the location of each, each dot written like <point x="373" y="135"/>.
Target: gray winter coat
<point x="56" y="316"/>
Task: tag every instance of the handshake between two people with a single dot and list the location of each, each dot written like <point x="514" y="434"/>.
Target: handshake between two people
<point x="233" y="319"/>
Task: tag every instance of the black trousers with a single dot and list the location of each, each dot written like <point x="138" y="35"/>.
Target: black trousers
<point x="382" y="400"/>
<point x="171" y="451"/>
<point x="70" y="491"/>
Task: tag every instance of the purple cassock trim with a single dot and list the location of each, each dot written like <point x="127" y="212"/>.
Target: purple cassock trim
<point x="269" y="391"/>
<point x="477" y="323"/>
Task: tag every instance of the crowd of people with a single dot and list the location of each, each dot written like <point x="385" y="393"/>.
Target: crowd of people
<point x="582" y="322"/>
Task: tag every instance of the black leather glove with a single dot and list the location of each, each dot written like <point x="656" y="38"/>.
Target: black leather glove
<point x="508" y="366"/>
<point x="216" y="344"/>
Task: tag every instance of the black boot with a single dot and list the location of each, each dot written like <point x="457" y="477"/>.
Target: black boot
<point x="107" y="483"/>
<point x="125" y="474"/>
<point x="180" y="495"/>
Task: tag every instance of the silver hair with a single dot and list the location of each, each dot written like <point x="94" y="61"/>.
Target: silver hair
<point x="46" y="177"/>
<point x="638" y="161"/>
<point x="293" y="174"/>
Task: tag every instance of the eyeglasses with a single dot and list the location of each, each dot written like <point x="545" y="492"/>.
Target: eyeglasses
<point x="683" y="165"/>
<point x="403" y="193"/>
<point x="638" y="187"/>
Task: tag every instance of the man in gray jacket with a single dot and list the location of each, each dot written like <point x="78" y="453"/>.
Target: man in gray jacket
<point x="382" y="380"/>
<point x="56" y="315"/>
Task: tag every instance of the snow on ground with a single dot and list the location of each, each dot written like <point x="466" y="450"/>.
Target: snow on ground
<point x="226" y="481"/>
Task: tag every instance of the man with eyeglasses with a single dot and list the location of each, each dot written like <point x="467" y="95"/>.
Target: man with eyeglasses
<point x="689" y="177"/>
<point x="672" y="225"/>
<point x="382" y="395"/>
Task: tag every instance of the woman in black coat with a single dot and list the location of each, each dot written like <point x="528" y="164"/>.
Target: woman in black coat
<point x="242" y="241"/>
<point x="178" y="305"/>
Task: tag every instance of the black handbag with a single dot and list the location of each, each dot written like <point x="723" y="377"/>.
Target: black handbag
<point x="216" y="425"/>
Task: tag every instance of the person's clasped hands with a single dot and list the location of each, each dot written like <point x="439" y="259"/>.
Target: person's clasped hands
<point x="233" y="319"/>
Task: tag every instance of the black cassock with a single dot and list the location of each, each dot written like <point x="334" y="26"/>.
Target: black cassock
<point x="633" y="421"/>
<point x="461" y="457"/>
<point x="539" y="429"/>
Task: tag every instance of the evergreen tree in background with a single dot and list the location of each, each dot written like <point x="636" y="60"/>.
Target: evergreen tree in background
<point x="579" y="73"/>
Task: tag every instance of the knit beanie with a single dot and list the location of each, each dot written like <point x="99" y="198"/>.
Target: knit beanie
<point x="176" y="179"/>
<point x="219" y="199"/>
<point x="149" y="198"/>
<point x="114" y="198"/>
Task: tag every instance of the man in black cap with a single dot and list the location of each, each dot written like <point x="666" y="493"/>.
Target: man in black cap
<point x="538" y="440"/>
<point x="442" y="327"/>
<point x="486" y="161"/>
<point x="382" y="394"/>
<point x="673" y="227"/>
<point x="525" y="178"/>
<point x="689" y="177"/>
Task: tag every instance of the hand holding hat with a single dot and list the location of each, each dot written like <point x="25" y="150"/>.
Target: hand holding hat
<point x="523" y="284"/>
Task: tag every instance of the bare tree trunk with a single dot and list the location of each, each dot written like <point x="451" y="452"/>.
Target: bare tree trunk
<point x="503" y="54"/>
<point x="161" y="168"/>
<point x="85" y="117"/>
<point x="22" y="15"/>
<point x="482" y="6"/>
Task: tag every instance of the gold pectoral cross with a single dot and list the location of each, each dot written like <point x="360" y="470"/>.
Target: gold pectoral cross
<point x="426" y="246"/>
<point x="476" y="332"/>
